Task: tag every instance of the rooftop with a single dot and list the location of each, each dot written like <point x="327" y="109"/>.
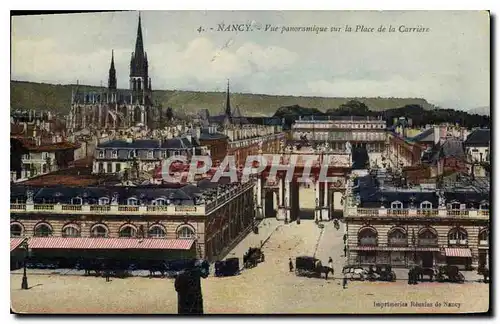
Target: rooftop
<point x="479" y="136"/>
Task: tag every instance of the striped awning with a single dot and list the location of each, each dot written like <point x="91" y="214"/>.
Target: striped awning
<point x="79" y="243"/>
<point x="458" y="252"/>
<point x="394" y="248"/>
<point x="15" y="242"/>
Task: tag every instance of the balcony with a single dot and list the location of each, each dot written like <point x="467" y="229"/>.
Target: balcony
<point x="428" y="242"/>
<point x="457" y="212"/>
<point x="458" y="242"/>
<point x="427" y="212"/>
<point x="398" y="242"/>
<point x="400" y="213"/>
<point x="368" y="241"/>
<point x="397" y="212"/>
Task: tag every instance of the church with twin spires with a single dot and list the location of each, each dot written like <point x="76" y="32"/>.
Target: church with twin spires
<point x="114" y="108"/>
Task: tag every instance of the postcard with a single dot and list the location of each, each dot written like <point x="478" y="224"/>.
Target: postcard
<point x="250" y="162"/>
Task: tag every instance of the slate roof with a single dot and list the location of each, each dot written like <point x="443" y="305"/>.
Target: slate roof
<point x="450" y="148"/>
<point x="479" y="137"/>
<point x="177" y="142"/>
<point x="426" y="136"/>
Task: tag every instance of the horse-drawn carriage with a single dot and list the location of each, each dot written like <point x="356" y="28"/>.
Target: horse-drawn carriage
<point x="228" y="267"/>
<point x="253" y="257"/>
<point x="311" y="267"/>
<point x="449" y="273"/>
<point x="381" y="272"/>
<point x="354" y="272"/>
<point x="419" y="272"/>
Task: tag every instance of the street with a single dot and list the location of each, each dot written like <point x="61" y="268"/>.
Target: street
<point x="268" y="288"/>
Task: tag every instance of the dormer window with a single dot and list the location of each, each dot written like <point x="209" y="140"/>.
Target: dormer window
<point x="132" y="154"/>
<point x="484" y="206"/>
<point x="114" y="154"/>
<point x="426" y="205"/>
<point x="159" y="202"/>
<point x="101" y="154"/>
<point x="150" y="154"/>
<point x="76" y="201"/>
<point x="455" y="205"/>
<point x="132" y="201"/>
<point x="397" y="205"/>
<point x="103" y="201"/>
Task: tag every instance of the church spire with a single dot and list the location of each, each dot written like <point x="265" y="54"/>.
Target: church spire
<point x="139" y="46"/>
<point x="112" y="73"/>
<point x="228" y="103"/>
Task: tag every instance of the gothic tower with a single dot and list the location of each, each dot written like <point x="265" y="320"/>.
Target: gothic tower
<point x="112" y="80"/>
<point x="140" y="83"/>
<point x="227" y="113"/>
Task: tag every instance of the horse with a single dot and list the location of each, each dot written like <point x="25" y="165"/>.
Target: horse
<point x="326" y="270"/>
<point x="155" y="267"/>
<point x="420" y="272"/>
<point x="485" y="272"/>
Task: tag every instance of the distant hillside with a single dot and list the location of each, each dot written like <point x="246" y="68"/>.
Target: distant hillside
<point x="485" y="111"/>
<point x="41" y="96"/>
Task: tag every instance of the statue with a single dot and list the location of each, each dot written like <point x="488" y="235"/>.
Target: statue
<point x="441" y="199"/>
<point x="29" y="196"/>
<point x="188" y="287"/>
<point x="114" y="199"/>
<point x="348" y="148"/>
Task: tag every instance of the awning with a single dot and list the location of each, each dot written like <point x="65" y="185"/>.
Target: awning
<point x="15" y="242"/>
<point x="91" y="243"/>
<point x="458" y="252"/>
<point x="394" y="248"/>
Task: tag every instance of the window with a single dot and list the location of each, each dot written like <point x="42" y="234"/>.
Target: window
<point x="70" y="231"/>
<point x="101" y="154"/>
<point x="483" y="237"/>
<point x="398" y="237"/>
<point x="76" y="201"/>
<point x="457" y="236"/>
<point x="426" y="205"/>
<point x="132" y="201"/>
<point x="98" y="231"/>
<point x="118" y="167"/>
<point x="109" y="168"/>
<point x="101" y="167"/>
<point x="114" y="154"/>
<point x="455" y="205"/>
<point x="43" y="230"/>
<point x="484" y="206"/>
<point x="16" y="230"/>
<point x="185" y="232"/>
<point x="397" y="205"/>
<point x="150" y="154"/>
<point x="367" y="236"/>
<point x="156" y="231"/>
<point x="128" y="231"/>
<point x="159" y="202"/>
<point x="427" y="238"/>
<point x="103" y="201"/>
<point x="132" y="154"/>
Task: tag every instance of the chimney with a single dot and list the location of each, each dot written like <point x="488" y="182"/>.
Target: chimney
<point x="129" y="140"/>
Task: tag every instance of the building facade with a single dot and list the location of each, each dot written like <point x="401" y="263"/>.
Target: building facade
<point x="428" y="226"/>
<point x="212" y="215"/>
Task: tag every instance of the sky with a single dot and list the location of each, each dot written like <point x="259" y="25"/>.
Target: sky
<point x="449" y="64"/>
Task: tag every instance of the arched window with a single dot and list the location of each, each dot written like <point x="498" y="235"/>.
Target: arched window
<point x="99" y="230"/>
<point x="76" y="201"/>
<point x="157" y="231"/>
<point x="70" y="230"/>
<point x="103" y="201"/>
<point x="427" y="237"/>
<point x="132" y="201"/>
<point x="398" y="237"/>
<point x="159" y="201"/>
<point x="457" y="236"/>
<point x="397" y="205"/>
<point x="128" y="231"/>
<point x="367" y="236"/>
<point x="484" y="205"/>
<point x="43" y="230"/>
<point x="483" y="237"/>
<point x="426" y="205"/>
<point x="16" y="230"/>
<point x="185" y="232"/>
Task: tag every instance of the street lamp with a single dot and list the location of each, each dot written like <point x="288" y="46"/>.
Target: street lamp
<point x="24" y="284"/>
<point x="413" y="240"/>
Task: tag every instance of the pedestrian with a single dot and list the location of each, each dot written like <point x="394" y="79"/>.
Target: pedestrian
<point x="330" y="262"/>
<point x="106" y="274"/>
<point x="410" y="274"/>
<point x="344" y="282"/>
<point x="290" y="264"/>
<point x="345" y="251"/>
